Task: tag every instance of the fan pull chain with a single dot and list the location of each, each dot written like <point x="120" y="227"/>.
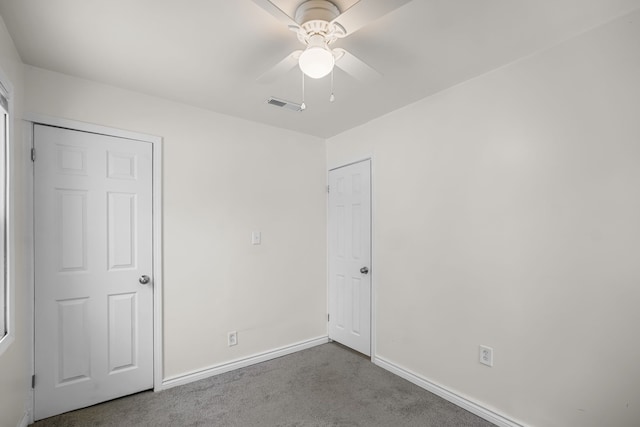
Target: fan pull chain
<point x="303" y="106"/>
<point x="332" y="97"/>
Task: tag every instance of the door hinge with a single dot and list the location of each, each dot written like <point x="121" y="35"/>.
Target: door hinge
<point x="328" y="317"/>
<point x="33" y="381"/>
<point x="328" y="189"/>
<point x="33" y="154"/>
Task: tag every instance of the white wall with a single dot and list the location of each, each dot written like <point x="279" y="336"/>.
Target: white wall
<point x="14" y="376"/>
<point x="223" y="179"/>
<point x="507" y="213"/>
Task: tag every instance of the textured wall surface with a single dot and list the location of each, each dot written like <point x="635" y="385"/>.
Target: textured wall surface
<point x="506" y="214"/>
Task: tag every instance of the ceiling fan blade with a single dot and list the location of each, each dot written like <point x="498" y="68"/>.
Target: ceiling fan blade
<point x="364" y="12"/>
<point x="280" y="68"/>
<point x="276" y="12"/>
<point x="355" y="67"/>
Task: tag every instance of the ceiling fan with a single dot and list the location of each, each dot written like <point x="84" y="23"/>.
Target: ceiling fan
<point x="318" y="24"/>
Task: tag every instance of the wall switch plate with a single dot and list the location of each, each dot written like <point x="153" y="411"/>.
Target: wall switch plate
<point x="256" y="238"/>
<point x="232" y="338"/>
<point x="486" y="355"/>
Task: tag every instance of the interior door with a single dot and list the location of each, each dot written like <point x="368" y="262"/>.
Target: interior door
<point x="350" y="256"/>
<point x="93" y="256"/>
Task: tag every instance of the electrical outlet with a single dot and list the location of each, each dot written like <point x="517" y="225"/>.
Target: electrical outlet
<point x="256" y="238"/>
<point x="232" y="338"/>
<point x="486" y="355"/>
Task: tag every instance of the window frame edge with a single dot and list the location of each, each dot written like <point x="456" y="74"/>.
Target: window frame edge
<point x="10" y="315"/>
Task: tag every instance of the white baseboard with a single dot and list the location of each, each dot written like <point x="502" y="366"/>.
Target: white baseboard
<point x="239" y="363"/>
<point x="24" y="422"/>
<point x="473" y="407"/>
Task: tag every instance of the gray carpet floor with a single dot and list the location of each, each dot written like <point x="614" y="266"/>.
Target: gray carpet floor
<point x="326" y="385"/>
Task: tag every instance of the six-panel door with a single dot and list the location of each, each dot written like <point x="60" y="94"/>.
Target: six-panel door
<point x="350" y="256"/>
<point x="93" y="241"/>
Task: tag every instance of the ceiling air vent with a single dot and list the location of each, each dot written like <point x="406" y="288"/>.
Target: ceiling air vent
<point x="284" y="104"/>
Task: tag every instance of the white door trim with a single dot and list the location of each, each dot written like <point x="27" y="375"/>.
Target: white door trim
<point x="369" y="158"/>
<point x="30" y="120"/>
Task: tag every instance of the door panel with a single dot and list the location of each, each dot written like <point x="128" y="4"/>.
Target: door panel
<point x="93" y="240"/>
<point x="121" y="230"/>
<point x="122" y="331"/>
<point x="74" y="341"/>
<point x="349" y="251"/>
<point x="72" y="215"/>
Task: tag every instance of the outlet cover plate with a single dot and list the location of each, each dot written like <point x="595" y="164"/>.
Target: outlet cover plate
<point x="486" y="355"/>
<point x="256" y="238"/>
<point x="232" y="338"/>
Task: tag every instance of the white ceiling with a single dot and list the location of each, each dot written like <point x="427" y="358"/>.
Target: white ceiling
<point x="208" y="53"/>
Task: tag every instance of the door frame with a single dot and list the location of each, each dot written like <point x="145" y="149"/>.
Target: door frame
<point x="338" y="165"/>
<point x="31" y="119"/>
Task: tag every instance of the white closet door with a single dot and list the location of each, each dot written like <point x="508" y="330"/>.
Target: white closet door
<point x="350" y="256"/>
<point x="93" y="245"/>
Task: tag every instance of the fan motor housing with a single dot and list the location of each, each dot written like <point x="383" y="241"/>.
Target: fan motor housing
<point x="316" y="10"/>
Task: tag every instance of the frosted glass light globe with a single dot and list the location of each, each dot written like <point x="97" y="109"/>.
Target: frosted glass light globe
<point x="316" y="62"/>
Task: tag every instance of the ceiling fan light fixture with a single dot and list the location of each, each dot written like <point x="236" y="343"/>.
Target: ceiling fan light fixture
<point x="317" y="60"/>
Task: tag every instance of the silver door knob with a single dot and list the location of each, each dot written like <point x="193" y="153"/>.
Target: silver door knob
<point x="364" y="270"/>
<point x="144" y="279"/>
